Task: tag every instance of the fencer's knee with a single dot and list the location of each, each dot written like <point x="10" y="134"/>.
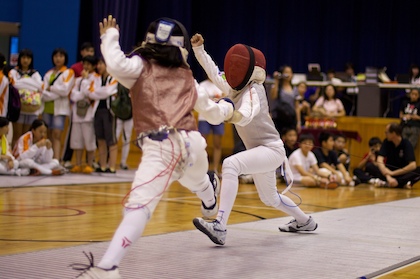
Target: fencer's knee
<point x="230" y="166"/>
<point x="273" y="201"/>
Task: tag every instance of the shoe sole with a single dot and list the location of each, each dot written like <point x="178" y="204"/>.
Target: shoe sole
<point x="203" y="229"/>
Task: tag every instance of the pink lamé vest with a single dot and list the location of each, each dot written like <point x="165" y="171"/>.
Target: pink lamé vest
<point x="163" y="96"/>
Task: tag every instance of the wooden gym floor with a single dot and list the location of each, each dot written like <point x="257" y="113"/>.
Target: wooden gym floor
<point x="39" y="219"/>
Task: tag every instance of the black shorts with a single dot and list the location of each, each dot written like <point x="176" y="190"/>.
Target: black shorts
<point x="105" y="126"/>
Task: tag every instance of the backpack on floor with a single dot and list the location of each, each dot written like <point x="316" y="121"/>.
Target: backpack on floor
<point x="121" y="105"/>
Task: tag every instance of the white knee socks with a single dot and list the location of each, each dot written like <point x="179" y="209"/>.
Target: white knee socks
<point x="130" y="229"/>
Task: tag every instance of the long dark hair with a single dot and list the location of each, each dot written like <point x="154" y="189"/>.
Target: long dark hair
<point x="26" y="53"/>
<point x="326" y="98"/>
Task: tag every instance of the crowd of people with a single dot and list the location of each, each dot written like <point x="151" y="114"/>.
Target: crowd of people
<point x="81" y="96"/>
<point x="327" y="165"/>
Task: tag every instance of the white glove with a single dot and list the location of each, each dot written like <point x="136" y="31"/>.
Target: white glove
<point x="227" y="108"/>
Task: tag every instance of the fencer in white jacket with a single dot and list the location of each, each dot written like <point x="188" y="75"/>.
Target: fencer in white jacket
<point x="244" y="68"/>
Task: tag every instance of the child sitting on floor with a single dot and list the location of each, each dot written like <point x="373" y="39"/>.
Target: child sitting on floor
<point x="361" y="173"/>
<point x="289" y="137"/>
<point x="8" y="164"/>
<point x="343" y="155"/>
<point x="34" y="150"/>
<point x="305" y="168"/>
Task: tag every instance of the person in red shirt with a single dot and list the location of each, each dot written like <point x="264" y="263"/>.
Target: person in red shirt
<point x="85" y="50"/>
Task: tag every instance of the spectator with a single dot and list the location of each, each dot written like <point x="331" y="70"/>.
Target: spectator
<point x="303" y="106"/>
<point x="86" y="49"/>
<point x="205" y="128"/>
<point x="289" y="138"/>
<point x="284" y="99"/>
<point x="83" y="112"/>
<point x="105" y="121"/>
<point x="58" y="83"/>
<point x="34" y="150"/>
<point x="328" y="105"/>
<point x="331" y="77"/>
<point x="8" y="164"/>
<point x="328" y="161"/>
<point x="29" y="83"/>
<point x="414" y="73"/>
<point x="399" y="169"/>
<point x="4" y="92"/>
<point x="305" y="166"/>
<point x="410" y="117"/>
<point x="343" y="155"/>
<point x="4" y="86"/>
<point x="361" y="171"/>
<point x="124" y="128"/>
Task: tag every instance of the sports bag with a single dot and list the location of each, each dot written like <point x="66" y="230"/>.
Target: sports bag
<point x="121" y="105"/>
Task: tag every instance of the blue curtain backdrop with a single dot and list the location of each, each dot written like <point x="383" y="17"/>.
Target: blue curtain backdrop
<point x="368" y="33"/>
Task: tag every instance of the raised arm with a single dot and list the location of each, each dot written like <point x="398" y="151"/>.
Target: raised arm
<point x="125" y="70"/>
<point x="207" y="63"/>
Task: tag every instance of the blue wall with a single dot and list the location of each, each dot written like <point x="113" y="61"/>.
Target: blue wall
<point x="45" y="25"/>
<point x="11" y="10"/>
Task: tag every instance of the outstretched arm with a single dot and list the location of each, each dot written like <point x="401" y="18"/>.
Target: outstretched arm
<point x="125" y="70"/>
<point x="207" y="63"/>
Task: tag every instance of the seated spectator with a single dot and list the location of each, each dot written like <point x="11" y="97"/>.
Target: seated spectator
<point x="305" y="166"/>
<point x="399" y="170"/>
<point x="331" y="77"/>
<point x="8" y="164"/>
<point x="328" y="105"/>
<point x="328" y="161"/>
<point x="343" y="155"/>
<point x="289" y="138"/>
<point x="34" y="150"/>
<point x="414" y="73"/>
<point x="360" y="172"/>
<point x="410" y="117"/>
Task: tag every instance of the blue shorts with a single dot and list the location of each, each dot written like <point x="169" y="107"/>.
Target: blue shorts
<point x="27" y="119"/>
<point x="54" y="122"/>
<point x="205" y="128"/>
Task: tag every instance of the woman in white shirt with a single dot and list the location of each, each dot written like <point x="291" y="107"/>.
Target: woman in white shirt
<point x="57" y="86"/>
<point x="29" y="83"/>
<point x="329" y="105"/>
